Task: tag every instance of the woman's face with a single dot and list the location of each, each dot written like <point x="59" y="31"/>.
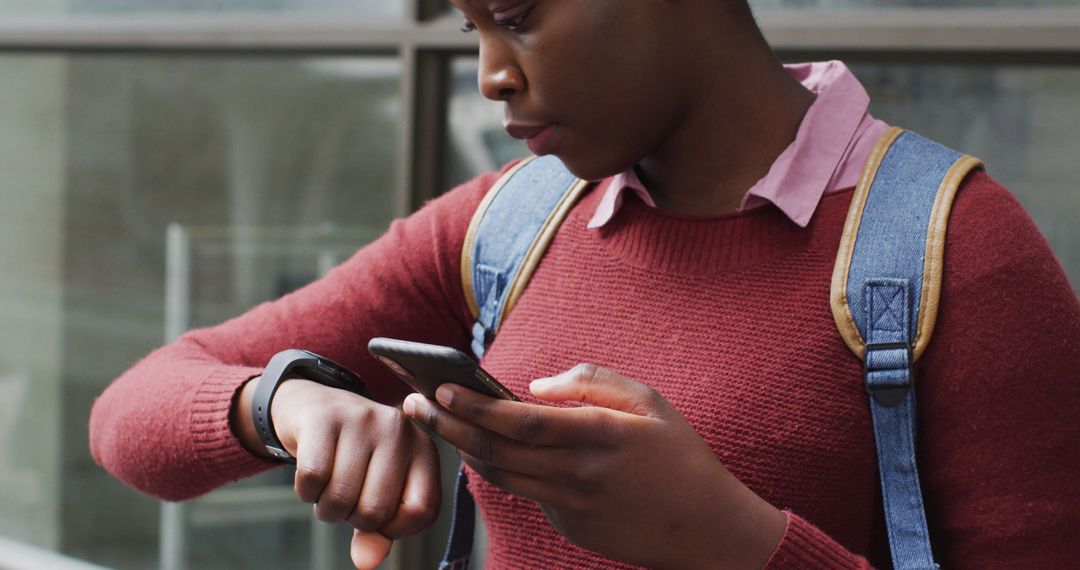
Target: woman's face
<point x="599" y="83"/>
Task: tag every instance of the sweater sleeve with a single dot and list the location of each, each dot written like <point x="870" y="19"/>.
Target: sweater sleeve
<point x="163" y="426"/>
<point x="998" y="396"/>
<point x="807" y="547"/>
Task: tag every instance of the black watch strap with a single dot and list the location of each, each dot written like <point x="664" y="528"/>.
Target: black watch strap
<point x="303" y="364"/>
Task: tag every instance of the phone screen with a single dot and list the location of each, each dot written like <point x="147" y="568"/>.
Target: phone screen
<point x="425" y="367"/>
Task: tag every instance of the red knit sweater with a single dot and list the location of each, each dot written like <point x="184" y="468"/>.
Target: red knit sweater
<point x="728" y="317"/>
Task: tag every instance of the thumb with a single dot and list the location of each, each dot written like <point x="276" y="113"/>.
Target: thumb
<point x="601" y="387"/>
<point x="369" y="549"/>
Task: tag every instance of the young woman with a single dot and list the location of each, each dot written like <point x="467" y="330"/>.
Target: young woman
<point x="722" y="422"/>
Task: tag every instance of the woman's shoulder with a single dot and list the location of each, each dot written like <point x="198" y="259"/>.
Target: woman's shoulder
<point x="991" y="235"/>
<point x="980" y="193"/>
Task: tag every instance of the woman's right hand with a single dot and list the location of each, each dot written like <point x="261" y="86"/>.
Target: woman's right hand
<point x="360" y="462"/>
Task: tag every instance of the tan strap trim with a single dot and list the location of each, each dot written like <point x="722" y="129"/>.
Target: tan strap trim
<point x="935" y="250"/>
<point x="540" y="245"/>
<point x="845" y="322"/>
<point x="470" y="236"/>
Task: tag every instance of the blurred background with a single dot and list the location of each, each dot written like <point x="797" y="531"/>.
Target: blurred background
<point x="166" y="164"/>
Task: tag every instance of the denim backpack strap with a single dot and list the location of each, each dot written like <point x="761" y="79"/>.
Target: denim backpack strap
<point x="508" y="236"/>
<point x="885" y="292"/>
<point x="506" y="240"/>
<point x="462" y="524"/>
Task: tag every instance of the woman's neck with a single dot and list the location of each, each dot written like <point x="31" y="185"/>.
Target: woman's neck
<point x="730" y="136"/>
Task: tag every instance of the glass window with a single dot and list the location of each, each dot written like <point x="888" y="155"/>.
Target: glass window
<point x="273" y="169"/>
<point x="476" y="139"/>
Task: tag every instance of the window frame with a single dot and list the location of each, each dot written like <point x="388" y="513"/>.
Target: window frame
<point x="428" y="37"/>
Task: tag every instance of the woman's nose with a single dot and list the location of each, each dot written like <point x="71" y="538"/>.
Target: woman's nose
<point x="499" y="77"/>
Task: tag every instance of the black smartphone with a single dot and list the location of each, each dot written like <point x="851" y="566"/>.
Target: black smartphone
<point x="425" y="367"/>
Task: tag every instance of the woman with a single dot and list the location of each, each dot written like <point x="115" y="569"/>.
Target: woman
<point x="735" y="432"/>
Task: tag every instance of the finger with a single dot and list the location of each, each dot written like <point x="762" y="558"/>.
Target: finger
<point x="369" y="549"/>
<point x="338" y="498"/>
<point x="519" y="484"/>
<point x="385" y="479"/>
<point x="482" y="444"/>
<point x="314" y="462"/>
<point x="597" y="386"/>
<point x="527" y="423"/>
<point x="422" y="496"/>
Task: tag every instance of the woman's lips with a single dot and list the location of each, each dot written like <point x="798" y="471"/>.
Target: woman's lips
<point x="538" y="137"/>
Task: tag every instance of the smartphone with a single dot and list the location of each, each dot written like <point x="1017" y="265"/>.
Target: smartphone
<point x="425" y="367"/>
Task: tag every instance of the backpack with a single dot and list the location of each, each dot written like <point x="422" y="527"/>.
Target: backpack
<point x="885" y="291"/>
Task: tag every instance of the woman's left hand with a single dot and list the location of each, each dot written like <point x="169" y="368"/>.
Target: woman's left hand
<point x="625" y="475"/>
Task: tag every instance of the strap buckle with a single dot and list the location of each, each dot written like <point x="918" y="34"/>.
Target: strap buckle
<point x="280" y="454"/>
<point x="889" y="373"/>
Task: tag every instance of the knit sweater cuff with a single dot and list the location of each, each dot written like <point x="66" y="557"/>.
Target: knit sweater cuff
<point x="218" y="448"/>
<point x="805" y="546"/>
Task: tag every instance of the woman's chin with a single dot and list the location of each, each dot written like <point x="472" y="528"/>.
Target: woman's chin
<point x="592" y="168"/>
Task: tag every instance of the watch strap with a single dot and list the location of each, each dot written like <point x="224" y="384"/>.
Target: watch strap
<point x="306" y="365"/>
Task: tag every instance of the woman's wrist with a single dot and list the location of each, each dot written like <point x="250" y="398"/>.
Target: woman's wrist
<point x="766" y="526"/>
<point x="744" y="534"/>
<point x="761" y="527"/>
<point x="241" y="422"/>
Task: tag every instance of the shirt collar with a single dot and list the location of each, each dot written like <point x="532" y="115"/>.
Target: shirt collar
<point x="612" y="200"/>
<point x="833" y="140"/>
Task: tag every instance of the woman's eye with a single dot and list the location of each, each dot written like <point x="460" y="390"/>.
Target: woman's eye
<point x="514" y="22"/>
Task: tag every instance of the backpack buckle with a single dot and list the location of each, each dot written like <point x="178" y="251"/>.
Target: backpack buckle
<point x="888" y="369"/>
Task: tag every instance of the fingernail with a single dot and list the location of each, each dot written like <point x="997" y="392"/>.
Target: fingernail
<point x="409" y="405"/>
<point x="444" y="395"/>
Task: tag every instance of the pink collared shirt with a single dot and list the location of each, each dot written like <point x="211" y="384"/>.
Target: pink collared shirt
<point x="834" y="140"/>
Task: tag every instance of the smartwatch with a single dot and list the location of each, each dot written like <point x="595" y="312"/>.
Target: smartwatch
<point x="303" y="364"/>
